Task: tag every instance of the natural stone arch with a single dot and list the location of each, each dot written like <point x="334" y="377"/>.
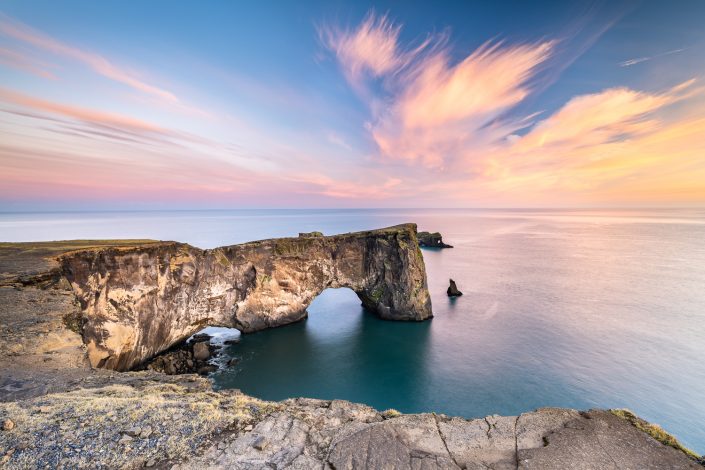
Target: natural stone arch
<point x="139" y="301"/>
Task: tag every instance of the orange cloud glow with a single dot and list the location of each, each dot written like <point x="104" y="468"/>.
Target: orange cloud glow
<point x="615" y="145"/>
<point x="454" y="120"/>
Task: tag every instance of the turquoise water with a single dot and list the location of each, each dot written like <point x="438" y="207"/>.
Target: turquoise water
<point x="561" y="308"/>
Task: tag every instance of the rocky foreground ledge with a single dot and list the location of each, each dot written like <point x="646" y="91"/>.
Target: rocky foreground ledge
<point x="184" y="425"/>
<point x="58" y="412"/>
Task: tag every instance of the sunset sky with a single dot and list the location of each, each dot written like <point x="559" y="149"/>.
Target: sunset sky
<point x="162" y="104"/>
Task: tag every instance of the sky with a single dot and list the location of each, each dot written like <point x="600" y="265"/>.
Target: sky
<point x="219" y="104"/>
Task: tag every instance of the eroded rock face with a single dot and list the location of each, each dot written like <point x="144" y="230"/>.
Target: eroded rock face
<point x="138" y="301"/>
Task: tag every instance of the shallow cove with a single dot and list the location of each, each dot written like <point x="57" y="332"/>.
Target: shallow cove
<point x="341" y="351"/>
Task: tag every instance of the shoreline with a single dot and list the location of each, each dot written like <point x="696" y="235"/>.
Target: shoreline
<point x="60" y="409"/>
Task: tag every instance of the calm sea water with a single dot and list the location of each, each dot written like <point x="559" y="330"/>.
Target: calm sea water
<point x="578" y="309"/>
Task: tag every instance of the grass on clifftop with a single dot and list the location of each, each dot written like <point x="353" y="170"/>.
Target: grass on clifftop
<point x="655" y="431"/>
<point x="390" y="413"/>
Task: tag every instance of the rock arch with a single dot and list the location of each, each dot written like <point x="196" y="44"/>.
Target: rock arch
<point x="139" y="301"/>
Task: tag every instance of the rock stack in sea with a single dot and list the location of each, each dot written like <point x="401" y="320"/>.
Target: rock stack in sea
<point x="453" y="290"/>
<point x="431" y="240"/>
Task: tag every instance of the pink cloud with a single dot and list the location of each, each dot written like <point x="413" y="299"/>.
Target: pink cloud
<point x="82" y="114"/>
<point x="443" y="108"/>
<point x="372" y="187"/>
<point x="453" y="119"/>
<point x="433" y="106"/>
<point x="86" y="153"/>
<point x="371" y="48"/>
<point x="22" y="62"/>
<point x="619" y="145"/>
<point x="599" y="117"/>
<point x="98" y="63"/>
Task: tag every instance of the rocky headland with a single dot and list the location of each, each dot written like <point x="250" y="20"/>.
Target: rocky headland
<point x="138" y="301"/>
<point x="58" y="410"/>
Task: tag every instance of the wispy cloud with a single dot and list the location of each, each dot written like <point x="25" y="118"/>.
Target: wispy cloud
<point x="617" y="113"/>
<point x="638" y="60"/>
<point x="118" y="125"/>
<point x="371" y="49"/>
<point x="431" y="105"/>
<point x="77" y="152"/>
<point x="101" y="65"/>
<point x="459" y="119"/>
<point x="23" y="62"/>
<point x="598" y="143"/>
<point x="341" y="189"/>
<point x="335" y="139"/>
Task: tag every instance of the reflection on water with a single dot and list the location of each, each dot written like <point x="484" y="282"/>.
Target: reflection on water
<point x="560" y="308"/>
<point x="348" y="354"/>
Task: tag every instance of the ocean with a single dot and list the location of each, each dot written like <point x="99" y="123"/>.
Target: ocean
<point x="570" y="308"/>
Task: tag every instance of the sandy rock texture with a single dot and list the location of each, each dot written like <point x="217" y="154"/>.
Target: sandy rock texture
<point x="42" y="350"/>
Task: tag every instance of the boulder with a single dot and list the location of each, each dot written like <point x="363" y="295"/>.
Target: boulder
<point x="201" y="351"/>
<point x="207" y="369"/>
<point x="200" y="337"/>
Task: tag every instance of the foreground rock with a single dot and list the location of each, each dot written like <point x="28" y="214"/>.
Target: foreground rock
<point x="184" y="427"/>
<point x="432" y="240"/>
<point x="138" y="301"/>
<point x="186" y="358"/>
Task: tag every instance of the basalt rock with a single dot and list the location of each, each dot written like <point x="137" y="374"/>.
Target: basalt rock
<point x="432" y="240"/>
<point x="138" y="301"/>
<point x="184" y="358"/>
<point x="453" y="290"/>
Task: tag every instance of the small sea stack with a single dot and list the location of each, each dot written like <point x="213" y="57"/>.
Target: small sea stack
<point x="453" y="290"/>
<point x="431" y="240"/>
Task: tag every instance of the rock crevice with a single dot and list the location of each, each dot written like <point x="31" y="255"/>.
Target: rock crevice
<point x="138" y="301"/>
